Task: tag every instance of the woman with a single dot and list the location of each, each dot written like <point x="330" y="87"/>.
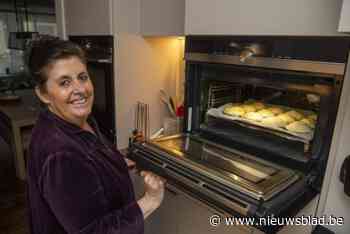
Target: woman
<point x="77" y="182"/>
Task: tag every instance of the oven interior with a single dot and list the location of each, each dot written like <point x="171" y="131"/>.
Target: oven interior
<point x="273" y="114"/>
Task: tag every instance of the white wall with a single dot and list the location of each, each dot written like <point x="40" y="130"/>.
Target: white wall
<point x="269" y="17"/>
<point x="143" y="67"/>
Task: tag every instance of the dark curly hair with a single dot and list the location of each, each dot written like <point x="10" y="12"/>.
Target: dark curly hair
<point x="45" y="51"/>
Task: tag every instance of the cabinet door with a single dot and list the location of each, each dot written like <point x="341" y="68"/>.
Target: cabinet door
<point x="162" y="17"/>
<point x="273" y="17"/>
<point x="194" y="216"/>
<point x="344" y="22"/>
<point x="88" y="17"/>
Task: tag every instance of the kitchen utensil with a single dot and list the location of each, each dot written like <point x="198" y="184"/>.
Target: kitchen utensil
<point x="165" y="98"/>
<point x="141" y="131"/>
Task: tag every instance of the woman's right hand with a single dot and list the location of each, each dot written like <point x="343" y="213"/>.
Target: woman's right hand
<point x="154" y="193"/>
<point x="154" y="187"/>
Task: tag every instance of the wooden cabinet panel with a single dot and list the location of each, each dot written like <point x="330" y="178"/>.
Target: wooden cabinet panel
<point x="88" y="17"/>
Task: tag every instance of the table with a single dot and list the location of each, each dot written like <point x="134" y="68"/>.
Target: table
<point x="16" y="121"/>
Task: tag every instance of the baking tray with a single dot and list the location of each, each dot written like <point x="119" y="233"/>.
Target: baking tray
<point x="282" y="132"/>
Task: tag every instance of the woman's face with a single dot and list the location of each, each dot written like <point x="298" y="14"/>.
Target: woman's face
<point x="69" y="92"/>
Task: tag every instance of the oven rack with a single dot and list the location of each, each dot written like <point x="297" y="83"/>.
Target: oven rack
<point x="301" y="137"/>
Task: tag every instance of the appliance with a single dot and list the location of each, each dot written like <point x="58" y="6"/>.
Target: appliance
<point x="99" y="54"/>
<point x="257" y="130"/>
<point x="18" y="40"/>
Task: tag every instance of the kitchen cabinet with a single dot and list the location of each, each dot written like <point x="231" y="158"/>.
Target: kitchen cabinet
<point x="274" y="17"/>
<point x="162" y="17"/>
<point x="344" y="22"/>
<point x="88" y="17"/>
<point x="193" y="217"/>
<point x="157" y="17"/>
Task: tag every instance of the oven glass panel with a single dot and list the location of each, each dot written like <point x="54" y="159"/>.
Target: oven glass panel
<point x="257" y="176"/>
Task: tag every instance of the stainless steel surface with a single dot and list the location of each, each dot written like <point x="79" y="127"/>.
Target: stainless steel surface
<point x="256" y="178"/>
<point x="251" y="50"/>
<point x="222" y="93"/>
<point x="213" y="192"/>
<point x="142" y="124"/>
<point x="326" y="68"/>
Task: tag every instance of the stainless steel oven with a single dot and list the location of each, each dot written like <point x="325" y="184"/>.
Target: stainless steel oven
<point x="99" y="53"/>
<point x="258" y="126"/>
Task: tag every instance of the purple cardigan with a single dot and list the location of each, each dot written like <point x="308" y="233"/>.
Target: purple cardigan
<point x="78" y="183"/>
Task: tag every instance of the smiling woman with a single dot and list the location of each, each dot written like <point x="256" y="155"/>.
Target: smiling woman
<point x="77" y="181"/>
<point x="69" y="91"/>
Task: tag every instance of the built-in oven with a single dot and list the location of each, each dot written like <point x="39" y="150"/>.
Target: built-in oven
<point x="99" y="53"/>
<point x="260" y="114"/>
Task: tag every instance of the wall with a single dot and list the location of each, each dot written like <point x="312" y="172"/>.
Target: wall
<point x="272" y="17"/>
<point x="143" y="67"/>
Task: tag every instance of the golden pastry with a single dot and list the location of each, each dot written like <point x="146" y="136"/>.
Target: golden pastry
<point x="275" y="122"/>
<point x="295" y="115"/>
<point x="286" y="118"/>
<point x="312" y="116"/>
<point x="234" y="111"/>
<point x="309" y="122"/>
<point x="298" y="127"/>
<point x="258" y="105"/>
<point x="276" y="110"/>
<point x="254" y="116"/>
<point x="265" y="113"/>
<point x="248" y="108"/>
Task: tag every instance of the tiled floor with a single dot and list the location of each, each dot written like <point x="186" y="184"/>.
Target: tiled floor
<point x="13" y="213"/>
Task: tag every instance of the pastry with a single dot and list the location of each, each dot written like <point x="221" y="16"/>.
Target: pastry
<point x="248" y="108"/>
<point x="254" y="116"/>
<point x="275" y="122"/>
<point x="276" y="110"/>
<point x="258" y="105"/>
<point x="312" y="116"/>
<point x="309" y="122"/>
<point x="298" y="127"/>
<point x="234" y="111"/>
<point x="295" y="115"/>
<point x="266" y="113"/>
<point x="286" y="118"/>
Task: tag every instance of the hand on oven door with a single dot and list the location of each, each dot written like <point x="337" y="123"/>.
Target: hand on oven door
<point x="154" y="188"/>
